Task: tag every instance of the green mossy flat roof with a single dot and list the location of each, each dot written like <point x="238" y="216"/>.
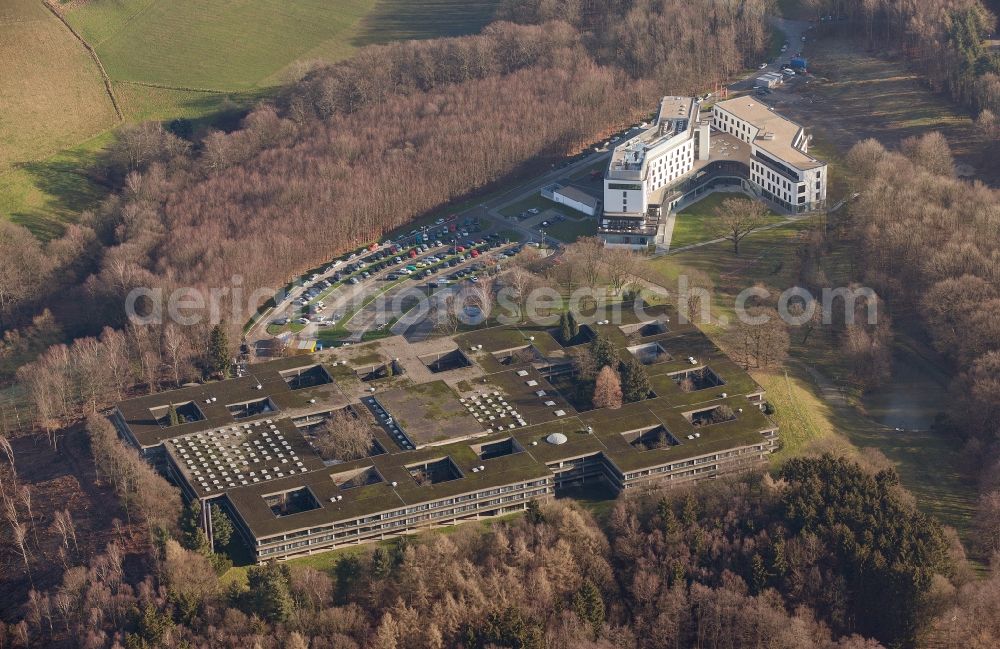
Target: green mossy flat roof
<point x="430" y="411"/>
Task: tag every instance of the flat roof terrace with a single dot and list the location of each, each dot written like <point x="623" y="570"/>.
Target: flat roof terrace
<point x="483" y="429"/>
<point x="724" y="148"/>
<point x="213" y="461"/>
<point x="674" y="121"/>
<point x="429" y="413"/>
<point x="272" y="389"/>
<point x="777" y="134"/>
<point x="397" y="488"/>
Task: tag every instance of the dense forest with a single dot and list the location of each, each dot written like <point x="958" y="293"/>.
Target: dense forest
<point x="822" y="553"/>
<point x="825" y="553"/>
<point x="932" y="245"/>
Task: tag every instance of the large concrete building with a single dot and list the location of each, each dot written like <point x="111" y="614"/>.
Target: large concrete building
<point x="688" y="151"/>
<point x="463" y="427"/>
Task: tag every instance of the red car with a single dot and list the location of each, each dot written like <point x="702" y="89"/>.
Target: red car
<point x="413" y="254"/>
<point x="475" y="253"/>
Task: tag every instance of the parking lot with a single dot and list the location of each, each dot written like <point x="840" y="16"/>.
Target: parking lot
<point x="348" y="298"/>
<point x="362" y="294"/>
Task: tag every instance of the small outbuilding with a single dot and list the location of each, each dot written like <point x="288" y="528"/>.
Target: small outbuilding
<point x="572" y="197"/>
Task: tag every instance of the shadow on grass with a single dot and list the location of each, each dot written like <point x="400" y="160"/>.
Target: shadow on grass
<point x="47" y="195"/>
<point x="393" y="20"/>
<point x="68" y="187"/>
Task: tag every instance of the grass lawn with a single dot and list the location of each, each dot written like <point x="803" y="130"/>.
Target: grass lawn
<point x="221" y="109"/>
<point x="214" y="45"/>
<point x="46" y="194"/>
<point x="572" y="229"/>
<point x="535" y="200"/>
<point x="767" y="256"/>
<point x="696" y="223"/>
<point x="856" y="95"/>
<point x="584" y="174"/>
<point x="53" y="98"/>
<point x="803" y="417"/>
<point x="836" y="416"/>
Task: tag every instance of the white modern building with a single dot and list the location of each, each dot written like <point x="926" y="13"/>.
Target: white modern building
<point x="741" y="144"/>
<point x="780" y="164"/>
<point x="647" y="163"/>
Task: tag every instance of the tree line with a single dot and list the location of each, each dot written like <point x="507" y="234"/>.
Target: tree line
<point x="931" y="244"/>
<point x="825" y="553"/>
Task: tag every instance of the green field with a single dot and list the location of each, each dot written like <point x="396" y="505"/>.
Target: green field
<point x="52" y="93"/>
<point x="202" y="60"/>
<point x="695" y="223"/>
<point x="52" y="99"/>
<point x="241" y="44"/>
<point x="214" y="45"/>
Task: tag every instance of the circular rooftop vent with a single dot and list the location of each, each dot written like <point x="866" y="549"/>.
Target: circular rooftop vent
<point x="556" y="438"/>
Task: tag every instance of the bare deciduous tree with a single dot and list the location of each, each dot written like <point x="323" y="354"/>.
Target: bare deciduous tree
<point x="446" y="314"/>
<point x="482" y="296"/>
<point x="344" y="436"/>
<point x="755" y="344"/>
<point x="518" y="284"/>
<point x="621" y="264"/>
<point x="588" y="252"/>
<point x="736" y="218"/>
